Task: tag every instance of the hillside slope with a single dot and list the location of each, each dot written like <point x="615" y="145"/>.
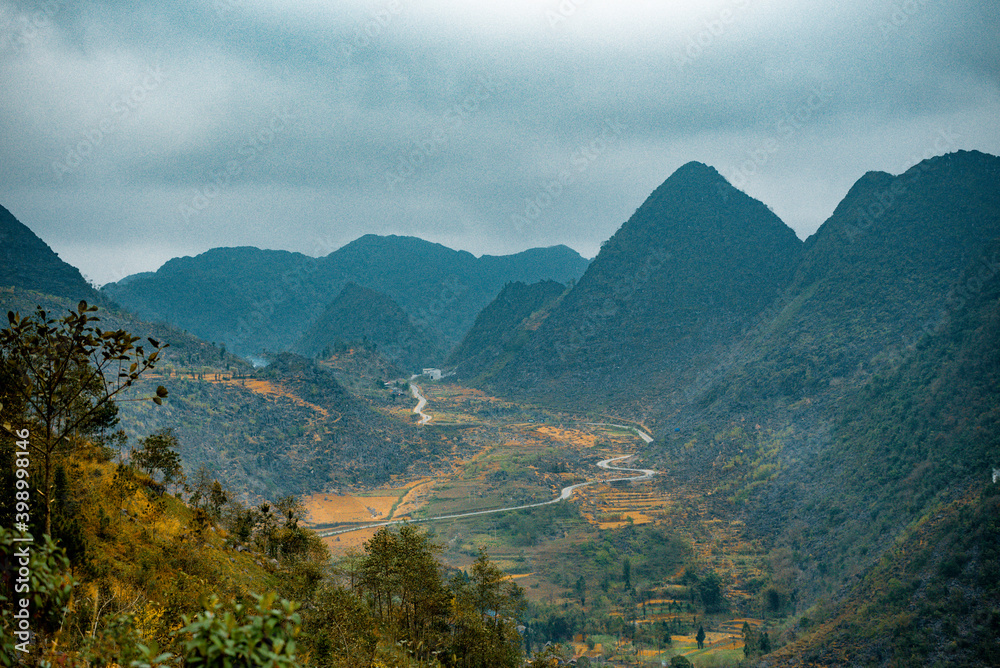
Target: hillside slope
<point x="27" y="262"/>
<point x="503" y="327"/>
<point x="901" y="506"/>
<point x="361" y="314"/>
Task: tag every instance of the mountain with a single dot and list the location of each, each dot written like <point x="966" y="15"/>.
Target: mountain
<point x="253" y="300"/>
<point x="900" y="505"/>
<point x="361" y="314"/>
<point x="873" y="278"/>
<point x="27" y="262"/>
<point x="503" y="327"/>
<point x="677" y="283"/>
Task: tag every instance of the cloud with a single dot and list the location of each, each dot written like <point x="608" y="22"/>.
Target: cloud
<point x="168" y="113"/>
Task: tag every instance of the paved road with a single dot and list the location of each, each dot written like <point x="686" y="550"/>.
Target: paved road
<point x="421" y="401"/>
<point x="565" y="493"/>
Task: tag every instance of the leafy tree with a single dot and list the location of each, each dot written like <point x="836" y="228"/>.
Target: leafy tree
<point x="700" y="638"/>
<point x="67" y="375"/>
<point x="549" y="656"/>
<point x="581" y="590"/>
<point x="247" y="637"/>
<point x="749" y="640"/>
<point x="159" y="453"/>
<point x="402" y="581"/>
<point x="50" y="587"/>
<point x="487" y="607"/>
<point x="710" y="590"/>
<point x="339" y="630"/>
<point x="627" y="573"/>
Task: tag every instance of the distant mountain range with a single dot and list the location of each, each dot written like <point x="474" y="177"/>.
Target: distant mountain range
<point x="289" y="428"/>
<point x="254" y="300"/>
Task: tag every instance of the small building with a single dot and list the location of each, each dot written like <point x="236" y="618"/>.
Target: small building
<point x="433" y="374"/>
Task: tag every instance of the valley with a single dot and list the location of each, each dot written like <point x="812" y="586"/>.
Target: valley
<point x="537" y="495"/>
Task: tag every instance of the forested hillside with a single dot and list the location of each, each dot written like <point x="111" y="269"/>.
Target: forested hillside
<point x="503" y="328"/>
<point x="363" y="316"/>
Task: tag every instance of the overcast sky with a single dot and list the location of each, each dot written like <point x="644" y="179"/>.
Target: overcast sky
<point x="136" y="132"/>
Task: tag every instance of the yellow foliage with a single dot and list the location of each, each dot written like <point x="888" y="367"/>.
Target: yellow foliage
<point x="147" y="620"/>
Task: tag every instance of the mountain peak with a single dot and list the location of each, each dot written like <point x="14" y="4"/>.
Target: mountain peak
<point x="697" y="171"/>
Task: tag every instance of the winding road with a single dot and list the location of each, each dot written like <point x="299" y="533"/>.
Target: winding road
<point x="421" y="401"/>
<point x="565" y="493"/>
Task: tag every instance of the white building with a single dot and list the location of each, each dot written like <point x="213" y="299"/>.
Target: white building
<point x="433" y="374"/>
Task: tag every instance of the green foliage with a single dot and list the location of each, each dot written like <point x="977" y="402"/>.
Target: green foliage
<point x="338" y="629"/>
<point x="486" y="609"/>
<point x="47" y="589"/>
<point x="260" y="636"/>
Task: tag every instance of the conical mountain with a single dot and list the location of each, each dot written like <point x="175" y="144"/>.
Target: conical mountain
<point x="503" y="327"/>
<point x="359" y="315"/>
<point x="668" y="292"/>
<point x="27" y="262"/>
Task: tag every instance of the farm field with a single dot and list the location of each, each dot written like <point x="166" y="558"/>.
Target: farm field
<point x="517" y="455"/>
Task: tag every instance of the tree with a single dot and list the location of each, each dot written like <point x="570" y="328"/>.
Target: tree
<point x="710" y="590"/>
<point x="339" y="630"/>
<point x="627" y="573"/>
<point x="487" y="607"/>
<point x="700" y="638"/>
<point x="402" y="580"/>
<point x="749" y="640"/>
<point x="67" y="375"/>
<point x="264" y="637"/>
<point x="581" y="590"/>
<point x="159" y="453"/>
<point x="548" y="657"/>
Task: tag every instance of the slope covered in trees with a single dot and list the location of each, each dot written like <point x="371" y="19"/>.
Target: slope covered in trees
<point x="503" y="327"/>
<point x="360" y="314"/>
